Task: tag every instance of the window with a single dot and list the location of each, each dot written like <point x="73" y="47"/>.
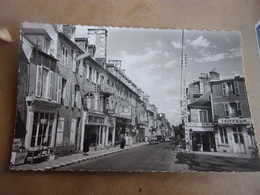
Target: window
<point x="233" y="109"/>
<point x="44" y="83"/>
<point x="39" y="81"/>
<point x="230" y="88"/>
<point x="90" y="74"/>
<point x="223" y="135"/>
<point x="238" y="135"/>
<point x="42" y="129"/>
<point x="203" y="116"/>
<point x="66" y="88"/>
<point x="65" y="56"/>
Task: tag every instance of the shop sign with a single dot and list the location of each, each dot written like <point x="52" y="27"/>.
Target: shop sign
<point x="94" y="120"/>
<point x="43" y="121"/>
<point x="109" y="121"/>
<point x="110" y="111"/>
<point x="43" y="108"/>
<point x="234" y="121"/>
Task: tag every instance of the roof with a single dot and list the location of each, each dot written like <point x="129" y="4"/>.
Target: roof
<point x="69" y="41"/>
<point x="202" y="101"/>
<point x="227" y="79"/>
<point x="41" y="31"/>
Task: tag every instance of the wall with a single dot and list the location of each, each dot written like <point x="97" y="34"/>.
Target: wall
<point x="240" y="15"/>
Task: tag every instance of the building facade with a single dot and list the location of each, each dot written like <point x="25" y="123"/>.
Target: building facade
<point x="231" y="115"/>
<point x="70" y="93"/>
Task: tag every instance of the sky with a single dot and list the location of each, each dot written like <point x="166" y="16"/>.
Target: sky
<point x="151" y="58"/>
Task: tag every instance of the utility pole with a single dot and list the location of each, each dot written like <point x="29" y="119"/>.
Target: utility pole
<point x="184" y="111"/>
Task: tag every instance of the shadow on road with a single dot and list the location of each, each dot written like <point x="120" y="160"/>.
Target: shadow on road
<point x="201" y="162"/>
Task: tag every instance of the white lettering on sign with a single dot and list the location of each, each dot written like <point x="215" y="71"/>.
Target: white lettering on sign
<point x="234" y="121"/>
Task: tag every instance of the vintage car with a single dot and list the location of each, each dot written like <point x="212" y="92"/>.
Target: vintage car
<point x="153" y="140"/>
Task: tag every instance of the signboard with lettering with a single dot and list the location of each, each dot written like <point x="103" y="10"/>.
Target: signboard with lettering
<point x="234" y="121"/>
<point x="95" y="120"/>
<point x="110" y="111"/>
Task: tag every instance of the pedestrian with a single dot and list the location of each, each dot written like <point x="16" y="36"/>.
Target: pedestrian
<point x="86" y="146"/>
<point x="122" y="145"/>
<point x="130" y="141"/>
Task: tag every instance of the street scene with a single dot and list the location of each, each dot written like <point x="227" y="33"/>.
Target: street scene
<point x="124" y="99"/>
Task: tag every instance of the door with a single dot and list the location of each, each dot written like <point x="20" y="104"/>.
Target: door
<point x="239" y="145"/>
<point x="205" y="141"/>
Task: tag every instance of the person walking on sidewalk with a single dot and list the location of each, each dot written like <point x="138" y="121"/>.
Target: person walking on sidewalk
<point x="122" y="145"/>
<point x="86" y="146"/>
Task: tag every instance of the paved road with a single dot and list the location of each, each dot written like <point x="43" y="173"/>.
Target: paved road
<point x="164" y="157"/>
<point x="159" y="157"/>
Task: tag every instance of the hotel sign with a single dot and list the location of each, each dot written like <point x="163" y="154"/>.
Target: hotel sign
<point x="234" y="121"/>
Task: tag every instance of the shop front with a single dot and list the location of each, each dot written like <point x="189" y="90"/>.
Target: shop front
<point x="141" y="129"/>
<point x="41" y="128"/>
<point x="98" y="130"/>
<point x="123" y="128"/>
<point x="235" y="136"/>
<point x="202" y="136"/>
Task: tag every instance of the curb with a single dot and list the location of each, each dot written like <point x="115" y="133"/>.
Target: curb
<point x="53" y="167"/>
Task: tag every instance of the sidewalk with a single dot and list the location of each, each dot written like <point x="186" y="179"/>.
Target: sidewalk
<point x="73" y="158"/>
<point x="221" y="154"/>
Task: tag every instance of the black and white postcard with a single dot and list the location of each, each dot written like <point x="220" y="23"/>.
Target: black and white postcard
<point x="127" y="99"/>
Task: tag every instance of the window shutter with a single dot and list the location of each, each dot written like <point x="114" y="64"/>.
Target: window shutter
<point x="74" y="61"/>
<point x="226" y="107"/>
<point x="239" y="109"/>
<point x="67" y="58"/>
<point x="224" y="90"/>
<point x="236" y="84"/>
<point x="72" y="95"/>
<point x="39" y="81"/>
<point x="51" y="83"/>
<point x="81" y="68"/>
<point x="80" y="101"/>
<point x="68" y="89"/>
<point x="87" y="71"/>
<point x="59" y="87"/>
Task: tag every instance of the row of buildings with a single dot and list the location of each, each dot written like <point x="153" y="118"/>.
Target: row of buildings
<point x="218" y="113"/>
<point x="69" y="92"/>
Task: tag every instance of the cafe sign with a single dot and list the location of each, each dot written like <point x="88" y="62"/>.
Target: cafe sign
<point x="234" y="121"/>
<point x="94" y="120"/>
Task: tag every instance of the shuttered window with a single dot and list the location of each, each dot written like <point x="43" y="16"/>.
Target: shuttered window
<point x="226" y="109"/>
<point x="39" y="81"/>
<point x="239" y="109"/>
<point x="68" y="91"/>
<point x="73" y="54"/>
<point x="59" y="88"/>
<point x="236" y="84"/>
<point x="81" y="68"/>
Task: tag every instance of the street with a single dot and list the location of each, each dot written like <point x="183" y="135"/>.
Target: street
<point x="163" y="157"/>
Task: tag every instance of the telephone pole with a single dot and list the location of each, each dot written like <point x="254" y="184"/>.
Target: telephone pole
<point x="184" y="111"/>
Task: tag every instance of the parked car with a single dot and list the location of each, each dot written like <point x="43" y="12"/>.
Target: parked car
<point x="167" y="139"/>
<point x="153" y="140"/>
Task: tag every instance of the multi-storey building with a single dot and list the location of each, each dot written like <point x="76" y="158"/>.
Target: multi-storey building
<point x="219" y="116"/>
<point x="68" y="93"/>
<point x="231" y="115"/>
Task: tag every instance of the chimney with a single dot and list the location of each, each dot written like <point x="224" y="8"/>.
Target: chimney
<point x="214" y="75"/>
<point x="69" y="31"/>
